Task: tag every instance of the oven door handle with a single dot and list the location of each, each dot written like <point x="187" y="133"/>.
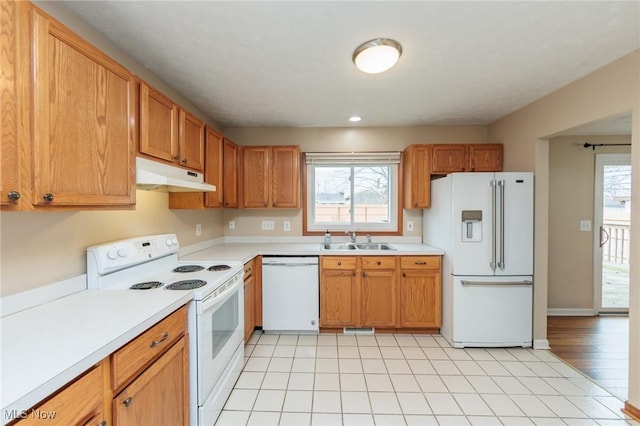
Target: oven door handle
<point x="215" y="299"/>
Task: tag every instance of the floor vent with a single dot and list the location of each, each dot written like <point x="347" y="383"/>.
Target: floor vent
<point x="370" y="331"/>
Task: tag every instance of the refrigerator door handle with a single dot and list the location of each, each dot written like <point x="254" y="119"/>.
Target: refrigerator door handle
<point x="501" y="186"/>
<point x="501" y="283"/>
<point x="492" y="264"/>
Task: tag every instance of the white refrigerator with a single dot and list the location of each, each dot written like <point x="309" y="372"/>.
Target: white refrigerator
<point x="484" y="224"/>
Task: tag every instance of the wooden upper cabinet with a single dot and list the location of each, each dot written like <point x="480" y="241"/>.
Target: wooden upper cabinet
<point x="213" y="172"/>
<point x="485" y="157"/>
<point x="9" y="171"/>
<point x="158" y="124"/>
<point x="449" y="158"/>
<point x="416" y="169"/>
<point x="168" y="132"/>
<point x="191" y="141"/>
<point x="84" y="121"/>
<point x="271" y="176"/>
<point x="255" y="177"/>
<point x="286" y="177"/>
<point x="230" y="174"/>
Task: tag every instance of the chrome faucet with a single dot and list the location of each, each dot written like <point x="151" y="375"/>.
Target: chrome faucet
<point x="369" y="238"/>
<point x="352" y="235"/>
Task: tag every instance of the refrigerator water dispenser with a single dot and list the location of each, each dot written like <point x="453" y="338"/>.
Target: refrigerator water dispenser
<point x="471" y="225"/>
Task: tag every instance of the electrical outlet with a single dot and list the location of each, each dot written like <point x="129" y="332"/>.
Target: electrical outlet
<point x="232" y="224"/>
<point x="286" y="226"/>
<point x="268" y="225"/>
<point x="198" y="230"/>
<point x="409" y="226"/>
<point x="585" y="225"/>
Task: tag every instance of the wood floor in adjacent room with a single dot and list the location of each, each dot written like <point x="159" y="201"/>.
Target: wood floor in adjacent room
<point x="597" y="346"/>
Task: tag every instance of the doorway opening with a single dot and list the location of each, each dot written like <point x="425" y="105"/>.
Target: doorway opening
<point x="612" y="239"/>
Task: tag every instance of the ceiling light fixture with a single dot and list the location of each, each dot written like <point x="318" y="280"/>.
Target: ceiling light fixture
<point x="377" y="55"/>
<point x="355" y="118"/>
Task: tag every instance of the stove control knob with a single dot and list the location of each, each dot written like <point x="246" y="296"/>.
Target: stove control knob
<point x="112" y="254"/>
<point x="174" y="241"/>
<point x="169" y="242"/>
<point x="122" y="252"/>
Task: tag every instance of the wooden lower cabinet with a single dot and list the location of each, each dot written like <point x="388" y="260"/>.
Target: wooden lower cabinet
<point x="159" y="395"/>
<point x="420" y="292"/>
<point x="249" y="300"/>
<point x="80" y="403"/>
<point x="385" y="292"/>
<point x="379" y="298"/>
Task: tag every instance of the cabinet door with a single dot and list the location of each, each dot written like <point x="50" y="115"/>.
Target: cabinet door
<point x="214" y="169"/>
<point x="379" y="298"/>
<point x="285" y="187"/>
<point x="416" y="177"/>
<point x="159" y="396"/>
<point x="338" y="298"/>
<point x="9" y="178"/>
<point x="80" y="403"/>
<point x="84" y="120"/>
<point x="255" y="177"/>
<point x="420" y="299"/>
<point x="449" y="159"/>
<point x="191" y="141"/>
<point x="485" y="157"/>
<point x="248" y="307"/>
<point x="158" y="125"/>
<point x="230" y="171"/>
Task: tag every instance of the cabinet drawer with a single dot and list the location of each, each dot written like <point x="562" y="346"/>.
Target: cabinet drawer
<point x="420" y="262"/>
<point x="378" y="262"/>
<point x="330" y="262"/>
<point x="136" y="354"/>
<point x="248" y="269"/>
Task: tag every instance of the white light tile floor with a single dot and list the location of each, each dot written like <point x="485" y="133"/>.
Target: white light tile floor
<point x="405" y="380"/>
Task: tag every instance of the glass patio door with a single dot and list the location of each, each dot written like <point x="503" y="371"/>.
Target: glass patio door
<point x="612" y="219"/>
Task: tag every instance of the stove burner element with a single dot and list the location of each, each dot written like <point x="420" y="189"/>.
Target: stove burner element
<point x="146" y="286"/>
<point x="186" y="285"/>
<point x="216" y="268"/>
<point x="188" y="268"/>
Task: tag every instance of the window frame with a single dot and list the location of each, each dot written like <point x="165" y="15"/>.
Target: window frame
<point x="395" y="210"/>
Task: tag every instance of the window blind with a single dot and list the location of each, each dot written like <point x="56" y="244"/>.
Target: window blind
<point x="351" y="158"/>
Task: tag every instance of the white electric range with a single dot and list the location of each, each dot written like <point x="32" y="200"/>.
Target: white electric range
<point x="216" y="314"/>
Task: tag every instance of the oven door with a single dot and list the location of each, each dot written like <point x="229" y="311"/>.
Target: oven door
<point x="220" y="319"/>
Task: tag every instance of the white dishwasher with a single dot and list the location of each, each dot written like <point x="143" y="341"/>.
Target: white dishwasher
<point x="290" y="294"/>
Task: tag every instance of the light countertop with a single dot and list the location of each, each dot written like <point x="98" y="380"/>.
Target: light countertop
<point x="246" y="251"/>
<point x="47" y="346"/>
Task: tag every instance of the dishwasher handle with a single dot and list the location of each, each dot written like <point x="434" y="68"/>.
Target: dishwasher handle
<point x="290" y="261"/>
<point x="288" y="265"/>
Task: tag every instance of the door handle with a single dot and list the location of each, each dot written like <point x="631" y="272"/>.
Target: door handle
<point x="603" y="232"/>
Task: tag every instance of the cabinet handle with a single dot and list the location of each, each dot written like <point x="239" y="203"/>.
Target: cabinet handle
<point x="353" y="274"/>
<point x="339" y="263"/>
<point x="13" y="195"/>
<point x="176" y="158"/>
<point x="404" y="275"/>
<point x="419" y="263"/>
<point x="127" y="402"/>
<point x="155" y="343"/>
<point x="184" y="161"/>
<point x="48" y="197"/>
<point x="103" y="423"/>
<point x="364" y="275"/>
<point x="275" y="204"/>
<point x="378" y="263"/>
<point x="248" y="270"/>
<point x="265" y="204"/>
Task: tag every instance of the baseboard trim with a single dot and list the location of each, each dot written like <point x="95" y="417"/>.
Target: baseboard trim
<point x="562" y="312"/>
<point x="631" y="411"/>
<point x="541" y="344"/>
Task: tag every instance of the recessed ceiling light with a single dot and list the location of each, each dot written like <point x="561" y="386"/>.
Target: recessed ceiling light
<point x="377" y="55"/>
<point x="355" y="118"/>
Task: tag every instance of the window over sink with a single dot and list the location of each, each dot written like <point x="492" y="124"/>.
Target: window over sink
<point x="352" y="191"/>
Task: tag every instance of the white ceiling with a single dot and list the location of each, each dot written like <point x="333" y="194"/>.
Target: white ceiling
<point x="288" y="63"/>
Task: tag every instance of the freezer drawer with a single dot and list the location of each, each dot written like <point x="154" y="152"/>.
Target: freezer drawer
<point x="492" y="311"/>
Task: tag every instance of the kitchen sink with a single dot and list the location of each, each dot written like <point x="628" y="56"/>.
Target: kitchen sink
<point x="361" y="246"/>
<point x="339" y="246"/>
<point x="375" y="246"/>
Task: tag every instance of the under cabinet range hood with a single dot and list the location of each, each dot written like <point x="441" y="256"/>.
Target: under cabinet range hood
<point x="156" y="176"/>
